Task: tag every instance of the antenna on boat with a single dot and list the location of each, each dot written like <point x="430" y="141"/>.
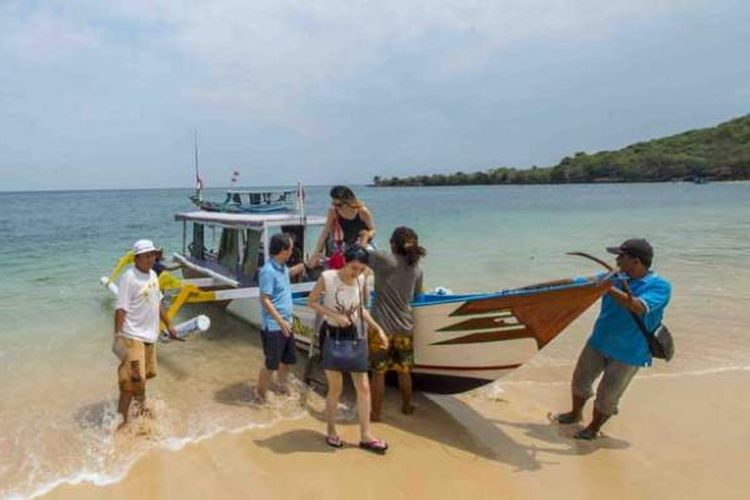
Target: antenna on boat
<point x="301" y="201"/>
<point x="198" y="181"/>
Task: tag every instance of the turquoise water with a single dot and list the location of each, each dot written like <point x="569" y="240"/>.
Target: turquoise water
<point x="56" y="321"/>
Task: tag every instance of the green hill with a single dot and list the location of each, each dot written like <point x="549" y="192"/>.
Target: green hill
<point x="717" y="153"/>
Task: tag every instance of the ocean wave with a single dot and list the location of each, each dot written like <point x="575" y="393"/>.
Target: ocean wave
<point x="146" y="435"/>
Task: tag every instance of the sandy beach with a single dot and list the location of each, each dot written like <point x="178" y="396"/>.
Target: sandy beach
<point x="673" y="440"/>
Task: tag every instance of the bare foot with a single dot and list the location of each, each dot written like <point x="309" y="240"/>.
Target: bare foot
<point x="567" y="418"/>
<point x="257" y="398"/>
<point x="281" y="389"/>
<point x="587" y="434"/>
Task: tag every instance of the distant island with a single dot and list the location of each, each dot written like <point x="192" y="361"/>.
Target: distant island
<point x="718" y="153"/>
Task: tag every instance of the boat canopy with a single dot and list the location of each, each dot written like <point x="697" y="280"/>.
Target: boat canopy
<point x="249" y="220"/>
<point x="260" y="191"/>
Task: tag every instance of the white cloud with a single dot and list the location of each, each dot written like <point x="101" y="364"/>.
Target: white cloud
<point x="267" y="57"/>
<point x="42" y="36"/>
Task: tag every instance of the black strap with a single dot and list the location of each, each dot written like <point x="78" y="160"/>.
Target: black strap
<point x="361" y="306"/>
<point x="641" y="326"/>
<point x="637" y="318"/>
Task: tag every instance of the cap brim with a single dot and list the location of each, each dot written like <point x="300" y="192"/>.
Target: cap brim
<point x="151" y="250"/>
<point x="614" y="250"/>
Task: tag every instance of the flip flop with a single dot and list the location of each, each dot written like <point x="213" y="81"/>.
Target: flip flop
<point x="334" y="442"/>
<point x="376" y="446"/>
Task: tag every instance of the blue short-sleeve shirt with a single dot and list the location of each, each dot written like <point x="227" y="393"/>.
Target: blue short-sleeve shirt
<point x="616" y="334"/>
<point x="274" y="282"/>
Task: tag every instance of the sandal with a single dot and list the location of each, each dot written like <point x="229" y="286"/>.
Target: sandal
<point x="334" y="442"/>
<point x="375" y="445"/>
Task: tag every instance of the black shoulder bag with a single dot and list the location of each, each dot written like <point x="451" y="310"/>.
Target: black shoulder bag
<point x="660" y="342"/>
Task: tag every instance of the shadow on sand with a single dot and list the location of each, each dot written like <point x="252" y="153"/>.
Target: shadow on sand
<point x="445" y="420"/>
<point x="96" y="415"/>
<point x="298" y="441"/>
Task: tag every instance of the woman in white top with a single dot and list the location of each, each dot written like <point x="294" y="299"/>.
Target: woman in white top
<point x="345" y="317"/>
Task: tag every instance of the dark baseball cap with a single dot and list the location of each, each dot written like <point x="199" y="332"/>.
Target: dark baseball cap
<point x="635" y="247"/>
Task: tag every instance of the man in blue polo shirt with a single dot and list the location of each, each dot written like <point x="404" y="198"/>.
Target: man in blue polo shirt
<point x="617" y="347"/>
<point x="279" y="347"/>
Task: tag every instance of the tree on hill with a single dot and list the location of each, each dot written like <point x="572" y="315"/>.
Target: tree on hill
<point x="720" y="153"/>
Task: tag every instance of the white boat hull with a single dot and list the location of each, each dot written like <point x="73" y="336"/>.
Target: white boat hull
<point x="464" y="341"/>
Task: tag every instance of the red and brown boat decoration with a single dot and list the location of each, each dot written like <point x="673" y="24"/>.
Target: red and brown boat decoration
<point x="464" y="341"/>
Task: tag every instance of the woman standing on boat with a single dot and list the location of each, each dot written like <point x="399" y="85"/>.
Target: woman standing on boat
<point x="349" y="222"/>
<point x="344" y="338"/>
<point x="398" y="281"/>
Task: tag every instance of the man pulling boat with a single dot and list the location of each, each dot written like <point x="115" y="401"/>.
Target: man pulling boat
<point x="617" y="349"/>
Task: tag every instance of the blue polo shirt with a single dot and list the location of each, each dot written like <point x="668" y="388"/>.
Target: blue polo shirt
<point x="274" y="282"/>
<point x="616" y="334"/>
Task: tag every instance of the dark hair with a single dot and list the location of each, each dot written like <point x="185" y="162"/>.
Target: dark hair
<point x="346" y="195"/>
<point x="644" y="259"/>
<point x="358" y="253"/>
<point x="405" y="242"/>
<point x="279" y="243"/>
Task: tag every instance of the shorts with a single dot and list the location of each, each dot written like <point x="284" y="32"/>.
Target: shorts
<point x="137" y="363"/>
<point x="278" y="348"/>
<point x="616" y="377"/>
<point x="399" y="355"/>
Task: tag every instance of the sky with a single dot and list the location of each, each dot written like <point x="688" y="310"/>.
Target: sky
<point x="97" y="94"/>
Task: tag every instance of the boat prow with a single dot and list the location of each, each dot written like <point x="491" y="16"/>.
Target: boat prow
<point x="465" y="341"/>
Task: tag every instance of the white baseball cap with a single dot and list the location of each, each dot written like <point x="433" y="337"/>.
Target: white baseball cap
<point x="144" y="246"/>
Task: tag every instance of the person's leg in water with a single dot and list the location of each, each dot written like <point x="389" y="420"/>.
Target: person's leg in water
<point x="264" y="381"/>
<point x="272" y="349"/>
<point x="282" y="379"/>
<point x="131" y="379"/>
<point x="288" y="358"/>
<point x="335" y="386"/>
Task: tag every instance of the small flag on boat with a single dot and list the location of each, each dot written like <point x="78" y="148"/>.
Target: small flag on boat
<point x="235" y="177"/>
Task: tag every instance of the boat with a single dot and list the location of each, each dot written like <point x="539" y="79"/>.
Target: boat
<point x="699" y="179"/>
<point x="245" y="201"/>
<point x="461" y="341"/>
<point x="249" y="201"/>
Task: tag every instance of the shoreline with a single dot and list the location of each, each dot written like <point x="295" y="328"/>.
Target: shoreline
<point x="662" y="444"/>
<point x="582" y="183"/>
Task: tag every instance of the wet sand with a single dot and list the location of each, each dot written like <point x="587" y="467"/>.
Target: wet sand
<point x="678" y="436"/>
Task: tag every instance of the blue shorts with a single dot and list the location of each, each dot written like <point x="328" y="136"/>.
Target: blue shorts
<point x="278" y="348"/>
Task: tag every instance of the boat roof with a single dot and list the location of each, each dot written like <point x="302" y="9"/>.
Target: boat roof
<point x="254" y="220"/>
<point x="259" y="191"/>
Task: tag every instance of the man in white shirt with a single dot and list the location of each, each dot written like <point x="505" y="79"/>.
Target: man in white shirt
<point x="137" y="314"/>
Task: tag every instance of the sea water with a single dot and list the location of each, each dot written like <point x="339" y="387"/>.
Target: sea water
<point x="58" y="375"/>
